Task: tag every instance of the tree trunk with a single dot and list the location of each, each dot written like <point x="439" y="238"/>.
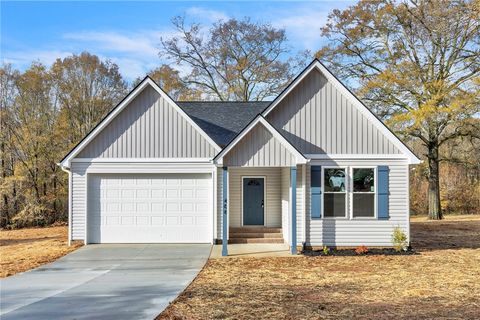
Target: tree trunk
<point x="4" y="221"/>
<point x="434" y="205"/>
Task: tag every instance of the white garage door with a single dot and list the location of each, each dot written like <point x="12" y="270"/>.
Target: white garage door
<point x="150" y="208"/>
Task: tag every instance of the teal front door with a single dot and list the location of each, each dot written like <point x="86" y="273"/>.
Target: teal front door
<point x="253" y="201"/>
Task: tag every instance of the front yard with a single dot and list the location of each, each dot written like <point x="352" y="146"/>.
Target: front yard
<point x="441" y="281"/>
<point x="25" y="249"/>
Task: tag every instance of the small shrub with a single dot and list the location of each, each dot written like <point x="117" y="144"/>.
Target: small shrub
<point x="326" y="250"/>
<point x="361" y="250"/>
<point x="399" y="239"/>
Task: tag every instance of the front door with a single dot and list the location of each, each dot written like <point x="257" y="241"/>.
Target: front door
<point x="253" y="201"/>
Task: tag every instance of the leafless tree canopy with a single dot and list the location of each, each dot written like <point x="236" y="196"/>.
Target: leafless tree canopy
<point x="233" y="60"/>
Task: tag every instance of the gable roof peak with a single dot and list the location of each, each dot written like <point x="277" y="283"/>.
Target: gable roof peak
<point x="260" y="120"/>
<point x="352" y="98"/>
<point x="147" y="81"/>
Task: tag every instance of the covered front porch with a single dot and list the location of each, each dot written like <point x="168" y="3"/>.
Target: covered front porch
<point x="258" y="194"/>
<point x="258" y="206"/>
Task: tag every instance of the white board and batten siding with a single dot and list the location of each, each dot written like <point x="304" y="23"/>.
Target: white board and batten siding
<point x="318" y="119"/>
<point x="149" y="127"/>
<point x="365" y="231"/>
<point x="259" y="148"/>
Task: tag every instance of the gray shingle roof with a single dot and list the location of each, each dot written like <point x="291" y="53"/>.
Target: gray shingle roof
<point x="222" y="121"/>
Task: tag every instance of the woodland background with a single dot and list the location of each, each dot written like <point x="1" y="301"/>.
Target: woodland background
<point x="414" y="63"/>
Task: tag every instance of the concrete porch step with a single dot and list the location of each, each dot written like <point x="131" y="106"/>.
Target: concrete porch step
<point x="255" y="240"/>
<point x="255" y="229"/>
<point x="255" y="235"/>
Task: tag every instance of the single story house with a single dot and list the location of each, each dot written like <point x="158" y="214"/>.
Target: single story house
<point x="313" y="167"/>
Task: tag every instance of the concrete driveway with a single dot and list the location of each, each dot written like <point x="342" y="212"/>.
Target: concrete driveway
<point x="103" y="282"/>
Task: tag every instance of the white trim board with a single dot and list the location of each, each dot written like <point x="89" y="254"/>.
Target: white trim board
<point x="356" y="156"/>
<point x="260" y="119"/>
<point x="142" y="160"/>
<point x="316" y="64"/>
<point x="147" y="81"/>
<point x="145" y="167"/>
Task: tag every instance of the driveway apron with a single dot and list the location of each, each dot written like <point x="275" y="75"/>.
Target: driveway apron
<point x="121" y="281"/>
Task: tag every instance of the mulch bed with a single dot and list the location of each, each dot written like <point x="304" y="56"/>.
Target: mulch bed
<point x="351" y="252"/>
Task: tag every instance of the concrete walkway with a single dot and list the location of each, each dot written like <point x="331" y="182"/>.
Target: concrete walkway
<point x="103" y="282"/>
<point x="252" y="250"/>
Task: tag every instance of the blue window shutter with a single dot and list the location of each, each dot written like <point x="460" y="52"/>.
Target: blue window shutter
<point x="383" y="192"/>
<point x="316" y="191"/>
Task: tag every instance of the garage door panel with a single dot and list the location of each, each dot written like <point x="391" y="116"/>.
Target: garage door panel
<point x="146" y="234"/>
<point x="168" y="208"/>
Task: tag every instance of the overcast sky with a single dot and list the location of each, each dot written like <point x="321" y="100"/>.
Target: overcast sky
<point x="128" y="33"/>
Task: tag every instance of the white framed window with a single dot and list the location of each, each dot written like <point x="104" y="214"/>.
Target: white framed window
<point x="363" y="192"/>
<point x="334" y="195"/>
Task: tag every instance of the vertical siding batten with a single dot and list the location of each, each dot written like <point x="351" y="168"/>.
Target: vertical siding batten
<point x="259" y="148"/>
<point x="339" y="126"/>
<point x="148" y="127"/>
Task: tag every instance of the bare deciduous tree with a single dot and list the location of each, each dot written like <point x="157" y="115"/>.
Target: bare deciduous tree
<point x="87" y="88"/>
<point x="234" y="60"/>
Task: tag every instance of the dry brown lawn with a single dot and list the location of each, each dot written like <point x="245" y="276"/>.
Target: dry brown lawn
<point x="442" y="281"/>
<point x="25" y="249"/>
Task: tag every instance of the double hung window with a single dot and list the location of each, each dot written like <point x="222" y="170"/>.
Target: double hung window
<point x="343" y="186"/>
